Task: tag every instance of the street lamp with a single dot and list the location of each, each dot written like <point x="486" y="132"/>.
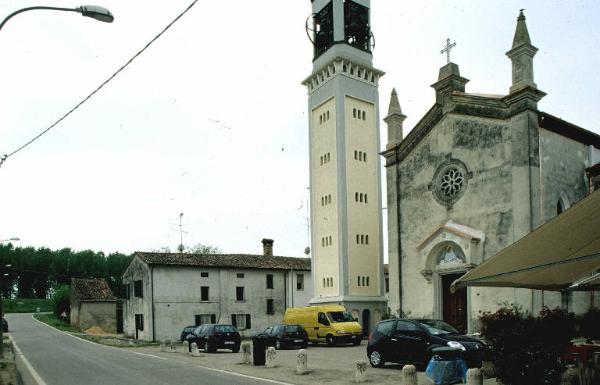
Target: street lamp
<point x="93" y="11"/>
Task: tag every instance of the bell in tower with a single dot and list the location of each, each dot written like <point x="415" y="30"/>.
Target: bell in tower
<point x="356" y="25"/>
<point x="323" y="29"/>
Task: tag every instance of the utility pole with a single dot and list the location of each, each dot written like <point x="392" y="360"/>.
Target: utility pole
<point x="180" y="247"/>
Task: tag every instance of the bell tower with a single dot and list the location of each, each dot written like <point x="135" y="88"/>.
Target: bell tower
<point x="345" y="182"/>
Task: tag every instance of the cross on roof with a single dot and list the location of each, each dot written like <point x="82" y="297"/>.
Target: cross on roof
<point x="447" y="49"/>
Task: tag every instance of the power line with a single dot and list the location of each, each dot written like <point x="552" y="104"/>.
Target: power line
<point x="6" y="156"/>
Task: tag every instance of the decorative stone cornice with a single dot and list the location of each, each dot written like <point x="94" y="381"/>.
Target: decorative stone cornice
<point x="344" y="67"/>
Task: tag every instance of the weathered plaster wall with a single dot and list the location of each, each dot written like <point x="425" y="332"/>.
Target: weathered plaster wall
<point x="138" y="271"/>
<point x="102" y="314"/>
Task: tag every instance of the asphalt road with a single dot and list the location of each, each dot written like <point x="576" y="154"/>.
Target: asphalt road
<point x="62" y="359"/>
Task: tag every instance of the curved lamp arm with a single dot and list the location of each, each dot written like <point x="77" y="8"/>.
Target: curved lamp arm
<point x="93" y="11"/>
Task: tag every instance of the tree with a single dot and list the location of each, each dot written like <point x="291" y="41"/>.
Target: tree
<point x="203" y="249"/>
<point x="61" y="300"/>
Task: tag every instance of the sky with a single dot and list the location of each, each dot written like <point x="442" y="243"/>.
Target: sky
<point x="211" y="120"/>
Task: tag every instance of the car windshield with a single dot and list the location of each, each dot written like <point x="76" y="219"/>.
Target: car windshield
<point x="340" y="316"/>
<point x="224" y="329"/>
<point x="437" y="327"/>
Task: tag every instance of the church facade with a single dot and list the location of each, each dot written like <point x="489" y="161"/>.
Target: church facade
<point x="345" y="183"/>
<point x="475" y="174"/>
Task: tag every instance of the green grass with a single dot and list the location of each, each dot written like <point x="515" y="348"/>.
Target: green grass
<point x="26" y="305"/>
<point x="52" y="320"/>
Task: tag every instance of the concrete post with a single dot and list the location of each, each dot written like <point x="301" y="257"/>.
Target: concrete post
<point x="302" y="362"/>
<point x="195" y="351"/>
<point x="409" y="375"/>
<point x="163" y="347"/>
<point x="246" y="353"/>
<point x="271" y="356"/>
<point x="185" y="346"/>
<point x="360" y="371"/>
<point x="474" y="377"/>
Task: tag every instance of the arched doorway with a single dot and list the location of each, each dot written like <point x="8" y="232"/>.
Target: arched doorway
<point x="366" y="317"/>
<point x="449" y="268"/>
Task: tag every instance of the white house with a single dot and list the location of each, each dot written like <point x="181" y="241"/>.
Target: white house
<point x="167" y="291"/>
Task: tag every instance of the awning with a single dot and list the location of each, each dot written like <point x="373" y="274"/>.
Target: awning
<point x="562" y="254"/>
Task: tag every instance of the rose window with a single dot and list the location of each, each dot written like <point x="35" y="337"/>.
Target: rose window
<point x="452" y="182"/>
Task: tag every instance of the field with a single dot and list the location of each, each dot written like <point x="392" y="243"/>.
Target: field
<point x="26" y="305"/>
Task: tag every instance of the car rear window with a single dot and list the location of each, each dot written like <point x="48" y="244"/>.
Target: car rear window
<point x="224" y="329"/>
<point x="385" y="328"/>
<point x="292" y="328"/>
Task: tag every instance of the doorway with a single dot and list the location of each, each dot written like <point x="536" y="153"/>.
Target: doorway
<point x="366" y="316"/>
<point x="454" y="305"/>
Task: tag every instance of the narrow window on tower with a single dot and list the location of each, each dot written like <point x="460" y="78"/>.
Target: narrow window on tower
<point x="357" y="239"/>
<point x="358" y="280"/>
<point x="366" y="239"/>
<point x="323" y="282"/>
<point x="355" y="155"/>
<point x="354" y="112"/>
<point x="367" y="281"/>
<point x="360" y="197"/>
<point x="356" y="197"/>
<point x="328" y="111"/>
<point x="364" y="115"/>
<point x="366" y="198"/>
<point x="363" y="281"/>
<point x="362" y="239"/>
<point x="365" y="157"/>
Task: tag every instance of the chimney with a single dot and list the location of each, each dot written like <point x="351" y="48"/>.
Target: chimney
<point x="267" y="247"/>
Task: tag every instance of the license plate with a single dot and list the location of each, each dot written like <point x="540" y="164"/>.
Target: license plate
<point x="297" y="341"/>
<point x="353" y="337"/>
<point x="229" y="342"/>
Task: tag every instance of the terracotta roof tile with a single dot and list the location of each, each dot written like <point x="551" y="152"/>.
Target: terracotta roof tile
<point x="91" y="289"/>
<point x="247" y="261"/>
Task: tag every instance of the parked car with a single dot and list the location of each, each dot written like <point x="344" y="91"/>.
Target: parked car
<point x="413" y="341"/>
<point x="331" y="324"/>
<point x="186" y="330"/>
<point x="4" y="325"/>
<point x="284" y="336"/>
<point x="211" y="337"/>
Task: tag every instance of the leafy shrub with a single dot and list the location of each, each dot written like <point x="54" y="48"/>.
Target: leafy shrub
<point x="526" y="349"/>
<point x="61" y="300"/>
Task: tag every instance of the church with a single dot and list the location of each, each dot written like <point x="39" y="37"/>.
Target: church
<point x="475" y="174"/>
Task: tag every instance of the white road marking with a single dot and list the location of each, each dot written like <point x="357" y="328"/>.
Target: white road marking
<point x="244" y="375"/>
<point x="150" y="355"/>
<point x="34" y="374"/>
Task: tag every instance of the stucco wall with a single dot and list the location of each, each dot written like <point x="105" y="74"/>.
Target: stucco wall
<point x="137" y="270"/>
<point x="101" y="314"/>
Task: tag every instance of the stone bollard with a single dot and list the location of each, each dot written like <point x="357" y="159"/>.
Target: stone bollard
<point x="185" y="347"/>
<point x="488" y="369"/>
<point x="360" y="371"/>
<point x="409" y="375"/>
<point x="195" y="351"/>
<point x="271" y="356"/>
<point x="246" y="353"/>
<point x="163" y="346"/>
<point x="302" y="362"/>
<point x="474" y="377"/>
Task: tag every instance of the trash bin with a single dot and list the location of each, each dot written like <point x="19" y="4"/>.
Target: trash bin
<point x="447" y="366"/>
<point x="258" y="351"/>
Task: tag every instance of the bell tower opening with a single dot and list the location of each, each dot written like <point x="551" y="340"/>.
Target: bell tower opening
<point x="323" y="30"/>
<point x="356" y="25"/>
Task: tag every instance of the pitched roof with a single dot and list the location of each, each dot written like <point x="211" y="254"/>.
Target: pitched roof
<point x="246" y="261"/>
<point x="95" y="289"/>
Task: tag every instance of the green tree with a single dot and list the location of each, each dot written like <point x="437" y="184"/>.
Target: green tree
<point x="61" y="300"/>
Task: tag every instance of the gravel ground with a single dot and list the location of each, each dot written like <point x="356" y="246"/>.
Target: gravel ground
<point x="327" y="365"/>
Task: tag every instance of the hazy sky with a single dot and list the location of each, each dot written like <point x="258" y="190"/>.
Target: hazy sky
<point x="211" y="120"/>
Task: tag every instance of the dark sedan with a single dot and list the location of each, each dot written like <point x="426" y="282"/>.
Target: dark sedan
<point x="284" y="336"/>
<point x="186" y="331"/>
<point x="211" y="337"/>
<point x="413" y="341"/>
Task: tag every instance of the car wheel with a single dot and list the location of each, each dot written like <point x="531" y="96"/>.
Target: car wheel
<point x="330" y="340"/>
<point x="277" y="345"/>
<point x="376" y="359"/>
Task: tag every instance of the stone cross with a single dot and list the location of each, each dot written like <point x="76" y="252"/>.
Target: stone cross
<point x="271" y="356"/>
<point x="302" y="362"/>
<point x="246" y="357"/>
<point x="360" y="371"/>
<point x="447" y="49"/>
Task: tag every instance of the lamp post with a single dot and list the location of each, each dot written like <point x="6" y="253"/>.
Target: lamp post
<point x="93" y="11"/>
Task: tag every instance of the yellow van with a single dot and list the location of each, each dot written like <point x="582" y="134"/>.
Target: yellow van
<point x="331" y="324"/>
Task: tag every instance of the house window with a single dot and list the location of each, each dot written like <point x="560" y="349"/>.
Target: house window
<point x="138" y="290"/>
<point x="240" y="275"/>
<point x="204" y="293"/>
<point x="204" y="274"/>
<point x="127" y="291"/>
<point x="239" y="293"/>
<point x="139" y="322"/>
<point x="270" y="307"/>
<point x="269" y="281"/>
<point x="201" y="319"/>
<point x="387" y="285"/>
<point x="241" y="321"/>
<point x="299" y="282"/>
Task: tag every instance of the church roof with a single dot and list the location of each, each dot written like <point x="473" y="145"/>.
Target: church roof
<point x="569" y="130"/>
<point x="95" y="289"/>
<point x="245" y="261"/>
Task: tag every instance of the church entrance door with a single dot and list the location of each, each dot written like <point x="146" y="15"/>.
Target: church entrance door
<point x="454" y="305"/>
